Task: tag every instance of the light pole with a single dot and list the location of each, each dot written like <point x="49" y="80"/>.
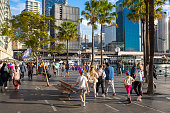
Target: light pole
<point x="79" y="53"/>
<point x="117" y="50"/>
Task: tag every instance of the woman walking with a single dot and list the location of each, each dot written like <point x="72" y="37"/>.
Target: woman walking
<point x="4" y="76"/>
<point x="102" y="76"/>
<point x="16" y="78"/>
<point x="138" y="81"/>
<point x="92" y="77"/>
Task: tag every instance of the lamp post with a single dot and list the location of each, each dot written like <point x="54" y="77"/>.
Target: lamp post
<point x="117" y="50"/>
<point x="79" y="53"/>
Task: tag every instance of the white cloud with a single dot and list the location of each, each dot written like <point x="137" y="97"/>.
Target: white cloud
<point x="113" y="1"/>
<point x="18" y="8"/>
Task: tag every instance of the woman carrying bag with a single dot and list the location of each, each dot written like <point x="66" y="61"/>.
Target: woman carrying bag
<point x="92" y="77"/>
<point x="16" y="78"/>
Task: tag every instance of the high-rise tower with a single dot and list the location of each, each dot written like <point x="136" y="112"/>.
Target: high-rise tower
<point x="47" y="5"/>
<point x="32" y="5"/>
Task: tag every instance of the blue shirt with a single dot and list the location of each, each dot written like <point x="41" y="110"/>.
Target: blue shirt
<point x="22" y="68"/>
<point x="109" y="73"/>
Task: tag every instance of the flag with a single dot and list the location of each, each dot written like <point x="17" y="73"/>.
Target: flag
<point x="26" y="53"/>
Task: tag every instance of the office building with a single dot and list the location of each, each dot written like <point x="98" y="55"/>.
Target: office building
<point x="63" y="13"/>
<point x="47" y="5"/>
<point x="97" y="40"/>
<point x="128" y="34"/>
<point x="169" y="33"/>
<point x="109" y="34"/>
<point x="32" y="5"/>
<point x="5" y="44"/>
<point x="162" y="33"/>
<point x="84" y="41"/>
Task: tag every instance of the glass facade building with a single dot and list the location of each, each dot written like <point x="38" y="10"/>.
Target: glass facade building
<point x="128" y="34"/>
<point x="47" y="5"/>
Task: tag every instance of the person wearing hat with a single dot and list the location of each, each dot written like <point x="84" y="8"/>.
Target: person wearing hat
<point x="83" y="86"/>
<point x="128" y="84"/>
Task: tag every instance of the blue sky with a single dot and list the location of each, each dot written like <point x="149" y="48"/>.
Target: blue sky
<point x="18" y="5"/>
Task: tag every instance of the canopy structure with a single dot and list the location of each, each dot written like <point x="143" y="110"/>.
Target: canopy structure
<point x="8" y="59"/>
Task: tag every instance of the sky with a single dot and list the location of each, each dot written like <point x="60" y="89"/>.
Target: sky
<point x="18" y="5"/>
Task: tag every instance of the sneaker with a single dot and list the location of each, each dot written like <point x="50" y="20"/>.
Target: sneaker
<point x="84" y="104"/>
<point x="103" y="95"/>
<point x="6" y="87"/>
<point x="97" y="94"/>
<point x="18" y="87"/>
<point x="114" y="94"/>
<point x="94" y="96"/>
<point x="129" y="101"/>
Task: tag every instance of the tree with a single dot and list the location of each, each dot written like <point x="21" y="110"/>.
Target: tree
<point x="91" y="13"/>
<point x="56" y="49"/>
<point x="31" y="29"/>
<point x="151" y="38"/>
<point x="105" y="15"/>
<point x="67" y="32"/>
<point x="139" y="12"/>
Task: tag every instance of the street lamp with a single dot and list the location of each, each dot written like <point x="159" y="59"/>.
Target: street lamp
<point x="117" y="50"/>
<point x="79" y="53"/>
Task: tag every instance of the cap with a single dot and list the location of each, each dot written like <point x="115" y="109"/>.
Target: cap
<point x="127" y="73"/>
<point x="82" y="71"/>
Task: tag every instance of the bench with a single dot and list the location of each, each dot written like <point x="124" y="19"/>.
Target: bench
<point x="65" y="87"/>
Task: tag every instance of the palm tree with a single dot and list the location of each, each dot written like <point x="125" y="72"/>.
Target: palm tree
<point x="90" y="13"/>
<point x="67" y="32"/>
<point x="151" y="37"/>
<point x="105" y="15"/>
<point x="139" y="12"/>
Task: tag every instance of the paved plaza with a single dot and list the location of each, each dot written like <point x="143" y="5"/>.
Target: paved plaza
<point x="35" y="97"/>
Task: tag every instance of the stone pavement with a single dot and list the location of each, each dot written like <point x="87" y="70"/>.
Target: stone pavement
<point x="35" y="97"/>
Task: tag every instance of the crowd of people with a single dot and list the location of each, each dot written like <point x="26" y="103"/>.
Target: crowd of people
<point x="90" y="76"/>
<point x="105" y="77"/>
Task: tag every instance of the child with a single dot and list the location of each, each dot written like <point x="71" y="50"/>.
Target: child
<point x="83" y="86"/>
<point x="128" y="84"/>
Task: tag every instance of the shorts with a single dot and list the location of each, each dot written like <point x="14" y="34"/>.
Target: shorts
<point x="82" y="91"/>
<point x="67" y="71"/>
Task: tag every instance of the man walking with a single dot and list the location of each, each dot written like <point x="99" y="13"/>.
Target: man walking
<point x="109" y="78"/>
<point x="22" y="69"/>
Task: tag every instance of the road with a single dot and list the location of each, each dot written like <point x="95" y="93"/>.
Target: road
<point x="35" y="97"/>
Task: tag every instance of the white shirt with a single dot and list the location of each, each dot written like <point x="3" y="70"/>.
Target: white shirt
<point x="82" y="82"/>
<point x="129" y="80"/>
<point x="102" y="73"/>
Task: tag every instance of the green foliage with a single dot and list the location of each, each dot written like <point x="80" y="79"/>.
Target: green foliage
<point x="91" y="12"/>
<point x="105" y="14"/>
<point x="138" y="9"/>
<point x="57" y="49"/>
<point x="30" y="28"/>
<point x="67" y="31"/>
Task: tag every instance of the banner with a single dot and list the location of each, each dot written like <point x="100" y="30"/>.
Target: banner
<point x="26" y="53"/>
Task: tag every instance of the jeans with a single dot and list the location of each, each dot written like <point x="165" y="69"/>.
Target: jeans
<point x="108" y="84"/>
<point x="57" y="71"/>
<point x="138" y="88"/>
<point x="100" y="82"/>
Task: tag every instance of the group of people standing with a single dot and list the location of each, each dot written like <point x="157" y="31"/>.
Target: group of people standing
<point x="105" y="77"/>
<point x="12" y="71"/>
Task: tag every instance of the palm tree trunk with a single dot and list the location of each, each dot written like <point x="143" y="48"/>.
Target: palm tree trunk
<point x="67" y="51"/>
<point x="144" y="47"/>
<point x="151" y="37"/>
<point x="147" y="33"/>
<point x="92" y="63"/>
<point x="101" y="45"/>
